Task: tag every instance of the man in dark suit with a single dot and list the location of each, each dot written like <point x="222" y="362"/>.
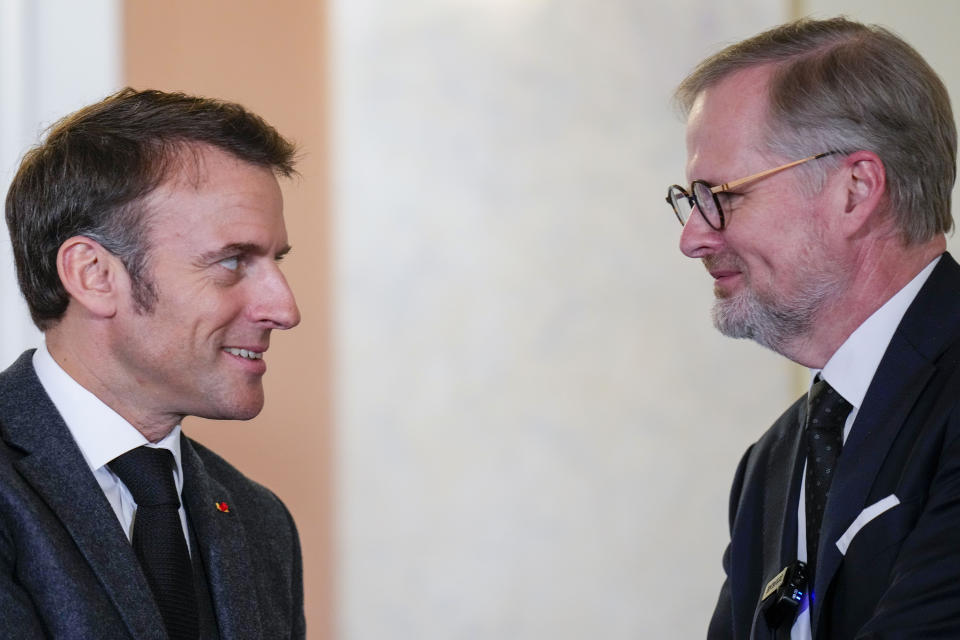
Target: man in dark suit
<point x="147" y="231"/>
<point x="822" y="157"/>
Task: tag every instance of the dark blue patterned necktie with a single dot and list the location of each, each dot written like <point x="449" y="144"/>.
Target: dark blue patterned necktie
<point x="827" y="412"/>
<point x="158" y="536"/>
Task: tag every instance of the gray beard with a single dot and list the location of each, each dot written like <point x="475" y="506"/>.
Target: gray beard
<point x="774" y="321"/>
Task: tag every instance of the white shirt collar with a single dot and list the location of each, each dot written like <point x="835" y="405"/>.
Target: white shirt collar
<point x="100" y="432"/>
<point x="852" y="367"/>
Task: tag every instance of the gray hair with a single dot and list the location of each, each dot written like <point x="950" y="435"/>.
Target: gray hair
<point x="838" y="85"/>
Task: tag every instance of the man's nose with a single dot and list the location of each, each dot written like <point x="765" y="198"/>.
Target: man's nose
<point x="699" y="239"/>
<point x="276" y="306"/>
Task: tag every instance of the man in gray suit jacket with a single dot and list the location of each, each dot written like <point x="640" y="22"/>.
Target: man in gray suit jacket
<point x="147" y="231"/>
<point x="821" y="156"/>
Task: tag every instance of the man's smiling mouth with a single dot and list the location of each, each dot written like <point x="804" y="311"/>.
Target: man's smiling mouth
<point x="244" y="353"/>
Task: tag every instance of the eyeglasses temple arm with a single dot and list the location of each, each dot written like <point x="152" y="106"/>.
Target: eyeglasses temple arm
<point x="726" y="186"/>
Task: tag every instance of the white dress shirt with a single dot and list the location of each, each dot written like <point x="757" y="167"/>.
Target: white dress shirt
<point x="849" y="371"/>
<point x="102" y="435"/>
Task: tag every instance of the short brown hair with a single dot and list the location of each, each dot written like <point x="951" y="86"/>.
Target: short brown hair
<point x="92" y="171"/>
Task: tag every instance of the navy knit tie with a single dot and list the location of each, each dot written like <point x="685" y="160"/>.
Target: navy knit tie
<point x="158" y="536"/>
<point x="826" y="414"/>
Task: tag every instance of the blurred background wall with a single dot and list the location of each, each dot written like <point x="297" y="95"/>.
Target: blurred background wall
<point x="505" y="414"/>
<point x="54" y="58"/>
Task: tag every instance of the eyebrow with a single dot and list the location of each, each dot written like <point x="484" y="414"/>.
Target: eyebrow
<point x="241" y="248"/>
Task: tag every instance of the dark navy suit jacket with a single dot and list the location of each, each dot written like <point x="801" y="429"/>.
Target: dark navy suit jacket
<point x="900" y="576"/>
<point x="67" y="569"/>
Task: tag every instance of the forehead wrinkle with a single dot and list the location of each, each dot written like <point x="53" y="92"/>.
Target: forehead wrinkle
<point x="729" y="158"/>
<point x="718" y="115"/>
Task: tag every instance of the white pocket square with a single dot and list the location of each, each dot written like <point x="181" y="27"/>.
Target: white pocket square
<point x="865" y="516"/>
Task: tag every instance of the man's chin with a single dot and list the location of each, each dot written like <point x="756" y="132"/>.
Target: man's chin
<point x="731" y="319"/>
<point x="247" y="413"/>
<point x="743" y="316"/>
<point x="237" y="408"/>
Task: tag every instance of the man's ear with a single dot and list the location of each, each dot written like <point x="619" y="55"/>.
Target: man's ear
<point x="865" y="186"/>
<point x="91" y="275"/>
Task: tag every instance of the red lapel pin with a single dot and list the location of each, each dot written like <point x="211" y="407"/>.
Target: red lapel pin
<point x="222" y="506"/>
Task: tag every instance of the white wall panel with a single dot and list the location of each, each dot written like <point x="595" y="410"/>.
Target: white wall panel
<point x="55" y="56"/>
<point x="537" y="424"/>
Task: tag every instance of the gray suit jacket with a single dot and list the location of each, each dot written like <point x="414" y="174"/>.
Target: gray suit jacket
<point x="66" y="567"/>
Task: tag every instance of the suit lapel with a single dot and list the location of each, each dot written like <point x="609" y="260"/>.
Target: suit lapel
<point x="223" y="549"/>
<point x="884" y="410"/>
<point x="779" y="533"/>
<point x="928" y="327"/>
<point x="780" y="498"/>
<point x="54" y="467"/>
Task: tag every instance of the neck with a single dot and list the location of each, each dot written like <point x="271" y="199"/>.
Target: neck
<point x="876" y="275"/>
<point x="85" y="361"/>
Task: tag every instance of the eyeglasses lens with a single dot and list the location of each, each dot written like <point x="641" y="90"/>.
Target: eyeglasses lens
<point x="708" y="204"/>
<point x="681" y="202"/>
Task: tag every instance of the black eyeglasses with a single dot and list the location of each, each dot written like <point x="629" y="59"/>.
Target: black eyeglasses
<point x="704" y="197"/>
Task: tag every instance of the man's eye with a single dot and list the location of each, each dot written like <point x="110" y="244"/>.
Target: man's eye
<point x="230" y="263"/>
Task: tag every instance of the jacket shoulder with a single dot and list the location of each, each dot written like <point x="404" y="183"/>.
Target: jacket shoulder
<point x="240" y="486"/>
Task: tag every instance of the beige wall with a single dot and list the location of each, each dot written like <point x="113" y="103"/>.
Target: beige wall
<point x="271" y="58"/>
